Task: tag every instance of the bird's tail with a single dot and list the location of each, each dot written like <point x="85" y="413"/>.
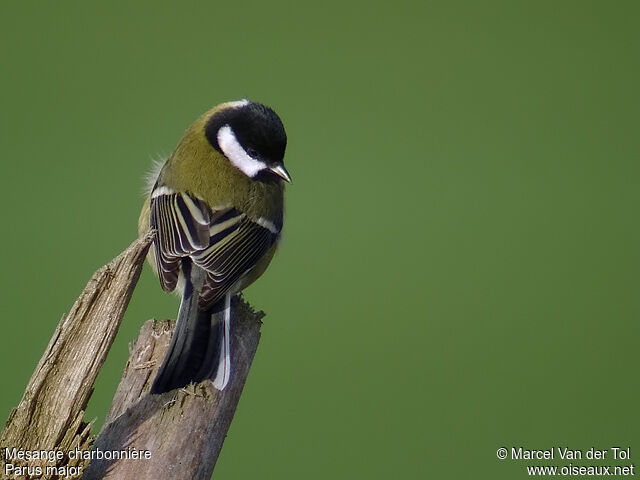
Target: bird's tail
<point x="199" y="347"/>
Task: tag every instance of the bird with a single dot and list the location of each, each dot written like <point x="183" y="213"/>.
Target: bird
<point x="216" y="207"/>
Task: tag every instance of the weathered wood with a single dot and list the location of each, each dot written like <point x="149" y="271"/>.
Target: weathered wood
<point x="183" y="431"/>
<point x="51" y="412"/>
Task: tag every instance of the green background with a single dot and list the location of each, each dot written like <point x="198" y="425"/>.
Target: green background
<point x="460" y="264"/>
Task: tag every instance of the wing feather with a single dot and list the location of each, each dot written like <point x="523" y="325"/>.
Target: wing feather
<point x="227" y="260"/>
<point x="224" y="242"/>
<point x="182" y="227"/>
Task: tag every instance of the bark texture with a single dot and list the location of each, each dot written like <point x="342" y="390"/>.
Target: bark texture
<point x="182" y="431"/>
<point x="51" y="413"/>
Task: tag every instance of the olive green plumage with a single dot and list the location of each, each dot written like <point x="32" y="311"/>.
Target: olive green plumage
<point x="196" y="167"/>
<point x="218" y="205"/>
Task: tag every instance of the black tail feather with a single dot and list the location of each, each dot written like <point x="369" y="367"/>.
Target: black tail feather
<point x="211" y="358"/>
<point x="194" y="349"/>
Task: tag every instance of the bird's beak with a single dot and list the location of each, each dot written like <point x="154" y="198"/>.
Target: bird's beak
<point x="281" y="172"/>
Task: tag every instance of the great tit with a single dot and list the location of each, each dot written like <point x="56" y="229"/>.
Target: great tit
<point x="216" y="207"/>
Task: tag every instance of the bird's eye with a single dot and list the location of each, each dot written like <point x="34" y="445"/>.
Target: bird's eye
<point x="252" y="152"/>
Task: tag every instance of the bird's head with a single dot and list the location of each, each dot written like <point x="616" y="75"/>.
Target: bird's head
<point x="251" y="136"/>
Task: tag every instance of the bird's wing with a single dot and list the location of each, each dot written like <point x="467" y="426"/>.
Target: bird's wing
<point x="235" y="246"/>
<point x="224" y="242"/>
<point x="181" y="222"/>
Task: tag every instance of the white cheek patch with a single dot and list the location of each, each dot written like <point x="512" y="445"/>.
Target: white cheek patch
<point x="236" y="154"/>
